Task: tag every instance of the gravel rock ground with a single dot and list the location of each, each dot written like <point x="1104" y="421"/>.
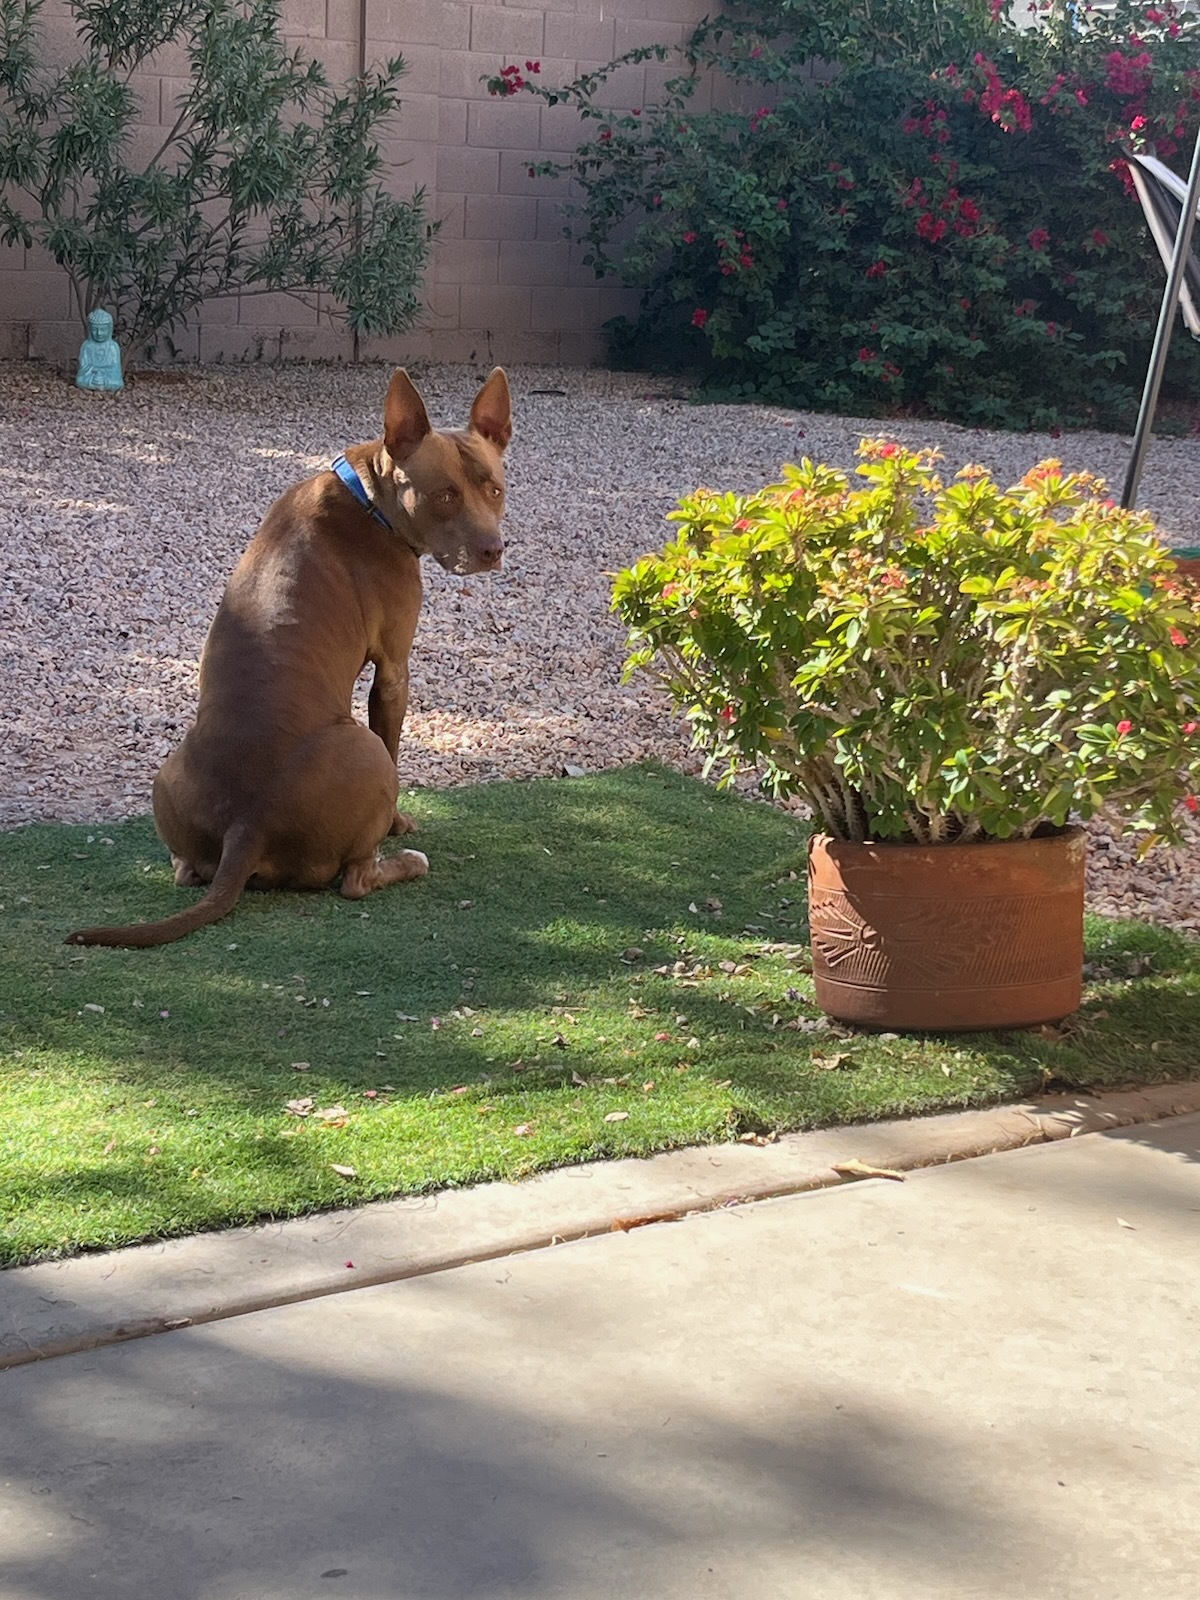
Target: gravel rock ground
<point x="122" y="515"/>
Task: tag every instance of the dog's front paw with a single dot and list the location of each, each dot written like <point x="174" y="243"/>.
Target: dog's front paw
<point x="402" y="823"/>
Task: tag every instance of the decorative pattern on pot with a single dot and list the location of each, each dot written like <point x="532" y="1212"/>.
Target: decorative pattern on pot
<point x="948" y="937"/>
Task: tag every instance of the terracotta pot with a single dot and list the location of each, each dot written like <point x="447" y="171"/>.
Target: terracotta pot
<point x="948" y="937"/>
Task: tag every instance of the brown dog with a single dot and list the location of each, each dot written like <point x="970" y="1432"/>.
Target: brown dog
<point x="276" y="785"/>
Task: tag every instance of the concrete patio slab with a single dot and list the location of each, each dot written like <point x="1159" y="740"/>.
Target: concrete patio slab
<point x="980" y="1382"/>
<point x="63" y="1306"/>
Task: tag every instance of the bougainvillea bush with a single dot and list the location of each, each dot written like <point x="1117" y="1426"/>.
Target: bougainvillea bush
<point x="937" y="663"/>
<point x="942" y="222"/>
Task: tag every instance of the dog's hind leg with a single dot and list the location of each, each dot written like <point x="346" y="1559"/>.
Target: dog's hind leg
<point x="363" y="877"/>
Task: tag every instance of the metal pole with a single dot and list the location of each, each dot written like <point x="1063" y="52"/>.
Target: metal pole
<point x="1162" y="335"/>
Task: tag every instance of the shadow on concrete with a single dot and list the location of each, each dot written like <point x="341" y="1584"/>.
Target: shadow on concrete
<point x="159" y="1470"/>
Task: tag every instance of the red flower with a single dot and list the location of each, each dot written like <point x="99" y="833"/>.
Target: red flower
<point x="968" y="211"/>
<point x="1192" y="803"/>
<point x="930" y="228"/>
<point x="746" y="259"/>
<point x="1081" y="96"/>
<point x="689" y="238"/>
<point x="886" y="450"/>
<point x="605" y="135"/>
<point x="781" y="205"/>
<point x="1177" y="637"/>
<point x="866" y="355"/>
<point x="669" y="589"/>
<point x="1038" y="238"/>
<point x="699" y="317"/>
<point x="727" y="714"/>
<point x="533" y="66"/>
<point x="1124" y="727"/>
<point x="876" y="269"/>
<point x="1190" y="727"/>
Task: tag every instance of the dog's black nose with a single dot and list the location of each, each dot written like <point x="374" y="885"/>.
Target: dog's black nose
<point x="491" y="553"/>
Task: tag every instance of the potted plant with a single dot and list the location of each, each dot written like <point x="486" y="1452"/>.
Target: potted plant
<point x="954" y="677"/>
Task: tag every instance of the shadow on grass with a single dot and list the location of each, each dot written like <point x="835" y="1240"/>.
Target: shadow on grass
<point x="604" y="966"/>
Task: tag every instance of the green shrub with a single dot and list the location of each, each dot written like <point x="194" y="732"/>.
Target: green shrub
<point x="946" y="225"/>
<point x="267" y="181"/>
<point x="928" y="662"/>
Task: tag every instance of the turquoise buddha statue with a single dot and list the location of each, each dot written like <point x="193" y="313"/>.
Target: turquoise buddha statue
<point x="99" y="355"/>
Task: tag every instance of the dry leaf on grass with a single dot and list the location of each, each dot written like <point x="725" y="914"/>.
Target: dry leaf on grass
<point x="843" y="1060"/>
<point x="300" y="1108"/>
<point x="523" y="1129"/>
<point x="343" y="1171"/>
<point x="616" y="1116"/>
<point x="863" y="1169"/>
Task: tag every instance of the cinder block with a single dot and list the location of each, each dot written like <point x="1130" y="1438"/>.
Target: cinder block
<point x="238" y="344"/>
<point x="462" y="73"/>
<point x="449" y="211"/>
<point x="419" y="120"/>
<point x="515" y="175"/>
<point x="467" y="170"/>
<point x="220" y="312"/>
<point x="586" y="349"/>
<point x="341" y="19"/>
<point x="506" y="124"/>
<point x="507" y="31"/>
<point x="422" y="73"/>
<point x="57" y="341"/>
<point x="405" y="22"/>
<point x="565" y="310"/>
<point x="411" y="167"/>
<point x="562" y="128"/>
<point x="304" y="19"/>
<point x="37" y="295"/>
<point x="577" y="36"/>
<point x="452" y="122"/>
<point x="325" y="343"/>
<point x="622" y="89"/>
<point x="502" y="308"/>
<point x="500" y="217"/>
<point x="14" y="337"/>
<point x="275" y="311"/>
<point x="632" y="33"/>
<point x="533" y="263"/>
<point x="399" y="349"/>
<point x="443" y="303"/>
<point x="551" y="220"/>
<point x="466" y="261"/>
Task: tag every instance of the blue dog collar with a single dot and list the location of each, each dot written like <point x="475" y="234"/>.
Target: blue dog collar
<point x="352" y="481"/>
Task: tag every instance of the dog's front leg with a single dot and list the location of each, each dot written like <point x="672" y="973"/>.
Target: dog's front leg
<point x="386" y="705"/>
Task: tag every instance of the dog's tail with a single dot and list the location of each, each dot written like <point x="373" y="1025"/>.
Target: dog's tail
<point x="239" y="856"/>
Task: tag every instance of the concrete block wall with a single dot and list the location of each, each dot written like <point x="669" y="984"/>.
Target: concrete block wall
<point x="504" y="284"/>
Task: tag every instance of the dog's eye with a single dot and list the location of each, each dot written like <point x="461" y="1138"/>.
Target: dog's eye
<point x="446" y="497"/>
<point x="495" y="490"/>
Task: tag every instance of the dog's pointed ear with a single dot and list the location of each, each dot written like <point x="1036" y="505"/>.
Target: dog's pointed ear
<point x="491" y="414"/>
<point x="405" y="420"/>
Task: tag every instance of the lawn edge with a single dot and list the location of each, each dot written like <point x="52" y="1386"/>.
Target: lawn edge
<point x="60" y="1308"/>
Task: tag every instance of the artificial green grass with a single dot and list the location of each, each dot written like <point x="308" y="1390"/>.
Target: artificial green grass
<point x="481" y="1023"/>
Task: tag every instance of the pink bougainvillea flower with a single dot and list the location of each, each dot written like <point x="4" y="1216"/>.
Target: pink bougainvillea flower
<point x="1190" y="727"/>
<point x="1125" y="727"/>
<point x="689" y="238"/>
<point x="699" y="317"/>
<point x="1177" y="637"/>
<point x="866" y="355"/>
<point x="727" y="714"/>
<point x="876" y="269"/>
<point x="781" y="205"/>
<point x="1192" y="803"/>
<point x="1038" y="238"/>
<point x="669" y="589"/>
